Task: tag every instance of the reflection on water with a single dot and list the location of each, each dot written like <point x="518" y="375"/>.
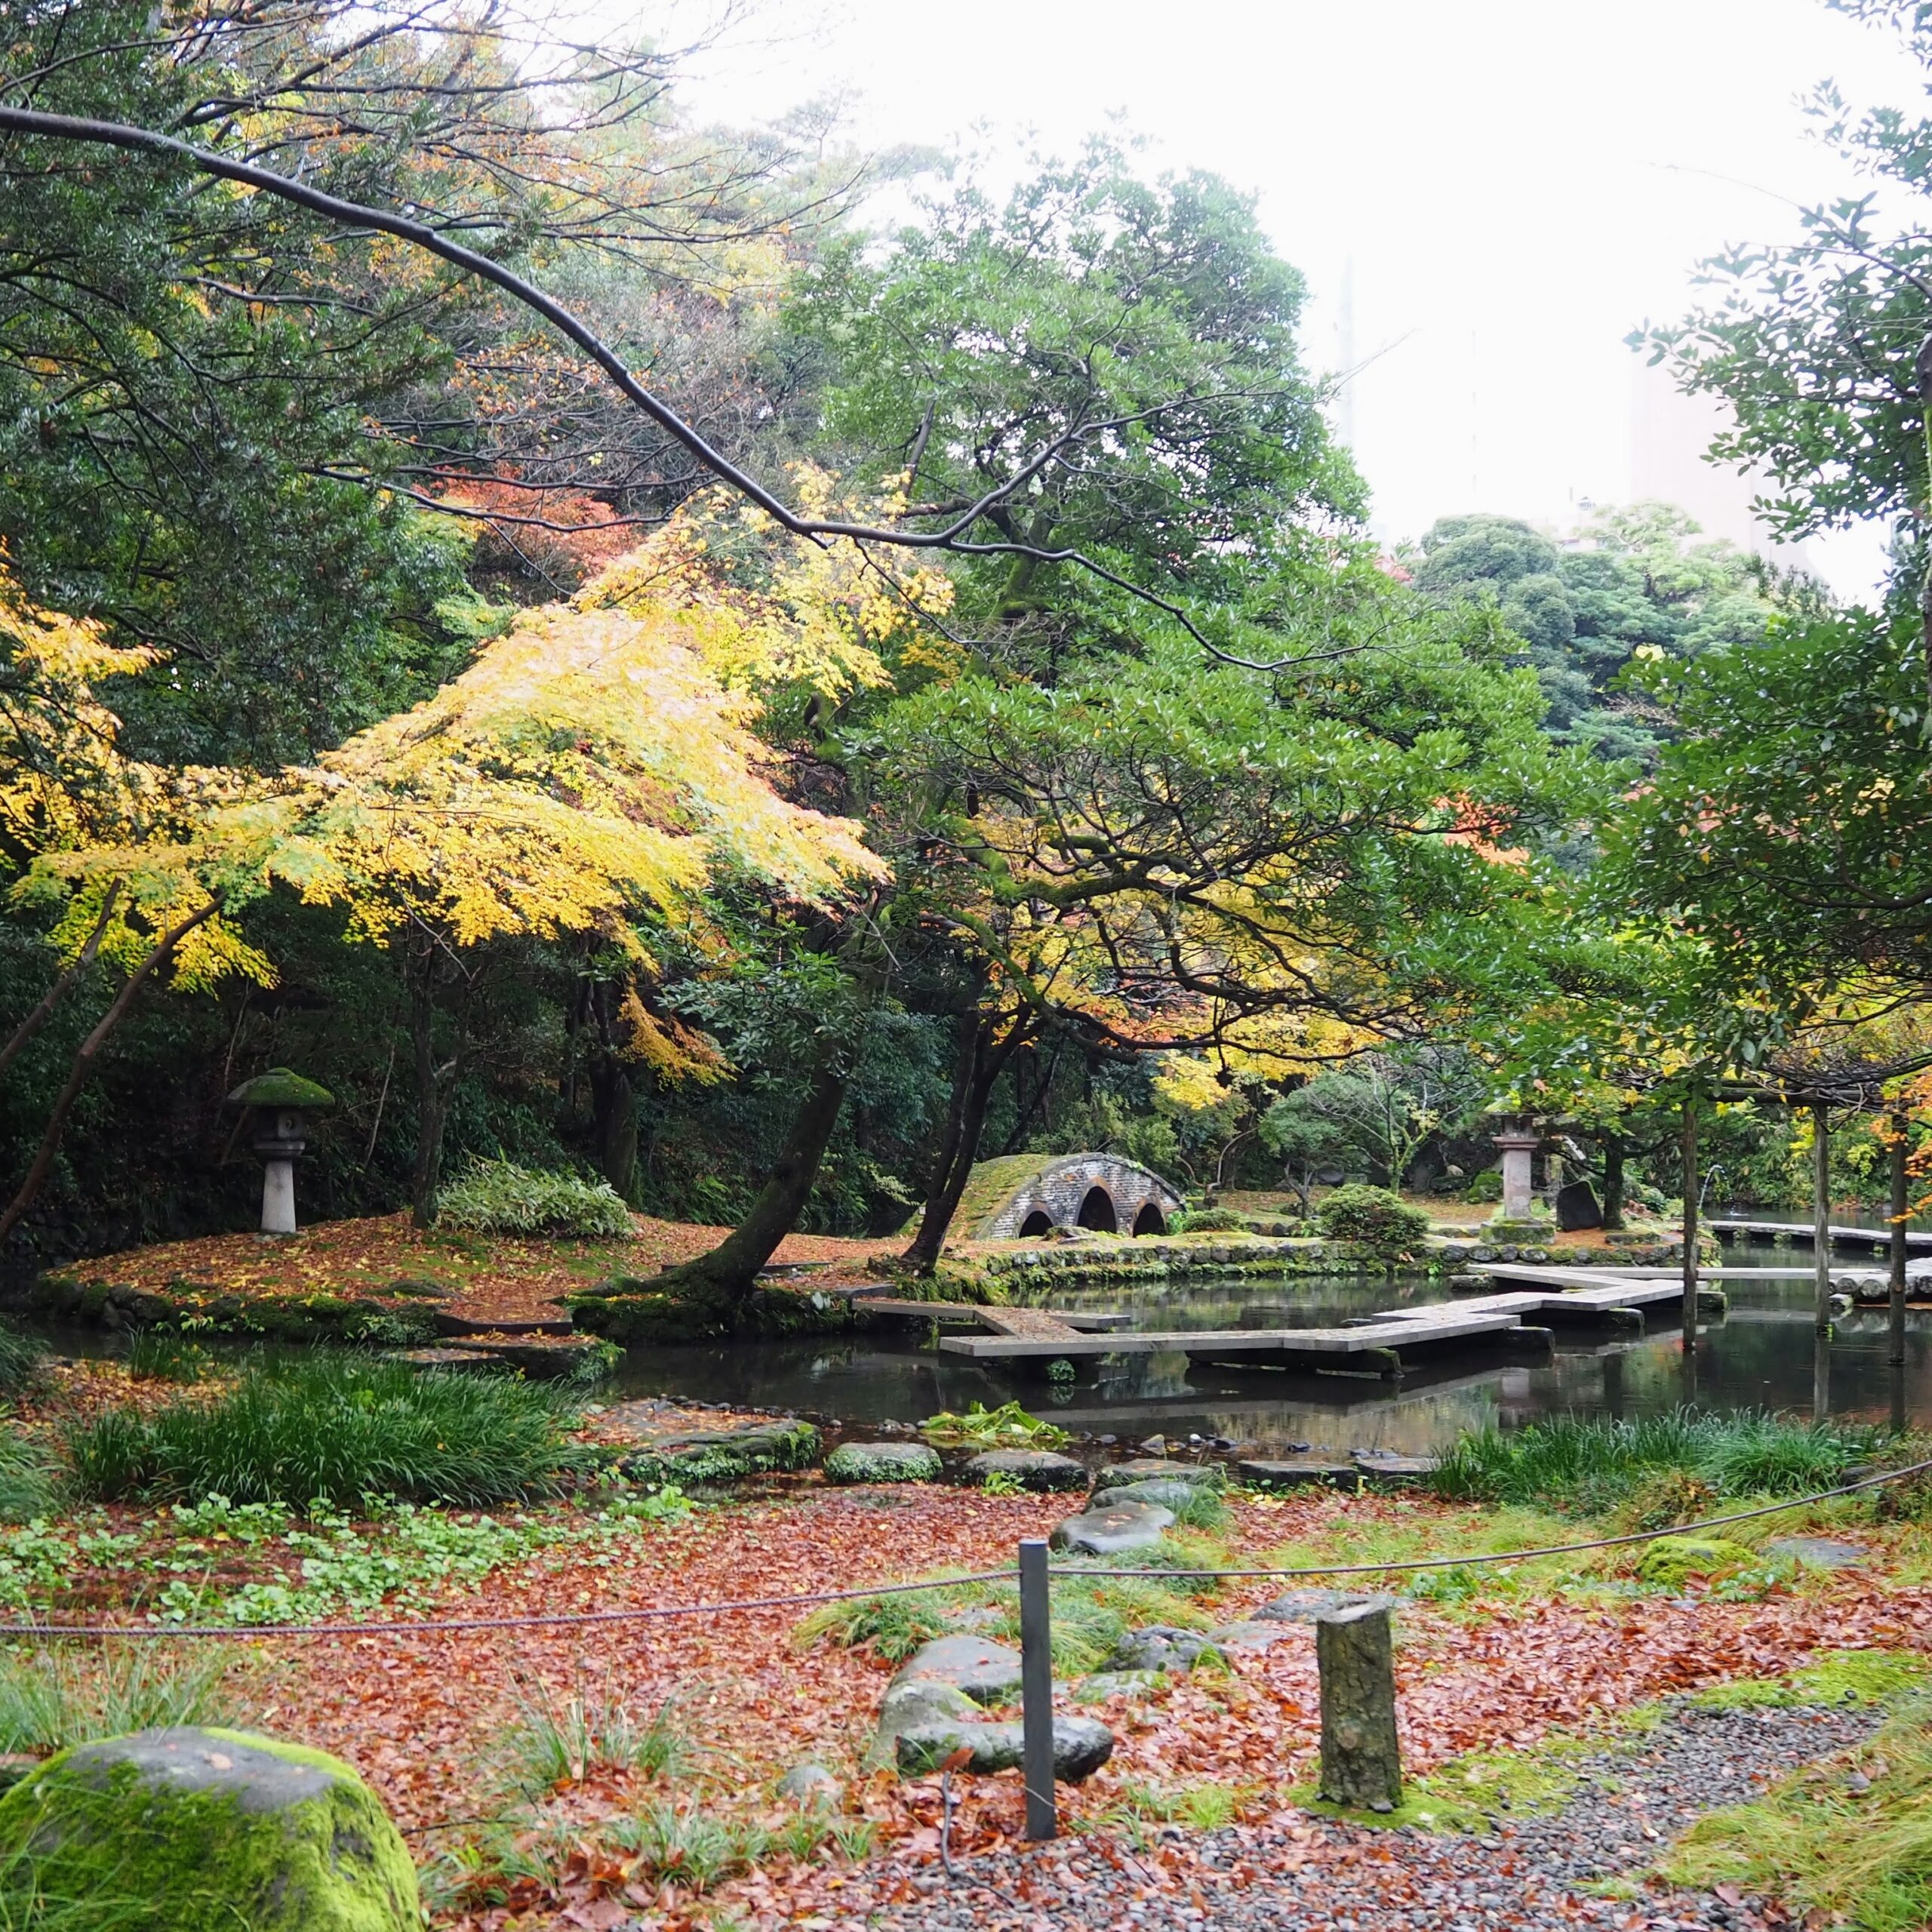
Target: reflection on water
<point x="1761" y="1355"/>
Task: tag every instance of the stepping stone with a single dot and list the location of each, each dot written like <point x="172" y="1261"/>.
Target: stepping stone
<point x="987" y="1672"/>
<point x="1113" y="1530"/>
<point x="883" y="1462"/>
<point x="924" y="1700"/>
<point x="804" y="1783"/>
<point x="1117" y="1475"/>
<point x="1293" y="1475"/>
<point x="464" y="1361"/>
<point x="1817" y="1552"/>
<point x="1160" y="1646"/>
<point x="1105" y="1684"/>
<point x="1248" y="1638"/>
<point x="1307" y="1606"/>
<point x="1388" y="1468"/>
<point x="1034" y="1468"/>
<point x="1081" y="1746"/>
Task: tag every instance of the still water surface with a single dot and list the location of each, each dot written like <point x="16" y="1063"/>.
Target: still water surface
<point x="1761" y="1354"/>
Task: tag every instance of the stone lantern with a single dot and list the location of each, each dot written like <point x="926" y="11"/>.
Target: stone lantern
<point x="277" y="1100"/>
<point x="1517" y="1141"/>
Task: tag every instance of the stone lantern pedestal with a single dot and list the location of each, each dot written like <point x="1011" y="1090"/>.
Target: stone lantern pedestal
<point x="278" y="1101"/>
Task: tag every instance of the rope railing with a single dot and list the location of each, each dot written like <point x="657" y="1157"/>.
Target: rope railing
<point x="643" y="1612"/>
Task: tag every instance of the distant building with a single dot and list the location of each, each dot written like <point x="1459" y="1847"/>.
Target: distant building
<point x="1669" y="433"/>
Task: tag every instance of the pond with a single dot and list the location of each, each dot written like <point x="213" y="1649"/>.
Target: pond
<point x="1761" y="1354"/>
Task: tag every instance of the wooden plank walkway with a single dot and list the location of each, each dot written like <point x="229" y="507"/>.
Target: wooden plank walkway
<point x="1801" y="1230"/>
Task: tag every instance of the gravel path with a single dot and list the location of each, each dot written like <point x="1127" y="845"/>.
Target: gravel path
<point x="1300" y="1874"/>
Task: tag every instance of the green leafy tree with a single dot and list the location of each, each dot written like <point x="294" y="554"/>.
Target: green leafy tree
<point x="1629" y="584"/>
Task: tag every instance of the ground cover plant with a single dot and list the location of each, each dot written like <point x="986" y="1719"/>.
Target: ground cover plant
<point x="1009" y="1426"/>
<point x="335" y="1428"/>
<point x="499" y="1197"/>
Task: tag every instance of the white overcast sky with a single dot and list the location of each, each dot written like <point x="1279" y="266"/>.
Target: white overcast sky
<point x="1510" y="184"/>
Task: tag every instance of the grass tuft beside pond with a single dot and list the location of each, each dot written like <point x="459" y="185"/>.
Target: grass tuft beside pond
<point x="333" y="1427"/>
<point x="1591" y="1465"/>
<point x="51" y="1700"/>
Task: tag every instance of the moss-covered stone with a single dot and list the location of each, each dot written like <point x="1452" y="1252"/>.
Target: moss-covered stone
<point x="281" y="1088"/>
<point x="629" y="1311"/>
<point x="728" y="1455"/>
<point x="883" y="1462"/>
<point x="185" y="1828"/>
<point x="1672" y="1561"/>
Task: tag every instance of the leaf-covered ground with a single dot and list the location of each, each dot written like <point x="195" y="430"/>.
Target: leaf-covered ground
<point x="1497" y="1664"/>
<point x="492" y="1278"/>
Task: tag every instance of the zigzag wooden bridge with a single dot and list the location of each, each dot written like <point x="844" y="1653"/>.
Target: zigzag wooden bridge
<point x="1516" y="1321"/>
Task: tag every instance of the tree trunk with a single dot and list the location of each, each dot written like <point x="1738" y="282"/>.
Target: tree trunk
<point x="62" y="986"/>
<point x="426" y="1175"/>
<point x="727" y="1275"/>
<point x="981" y="1065"/>
<point x="1613" y="1181"/>
<point x="84" y="1056"/>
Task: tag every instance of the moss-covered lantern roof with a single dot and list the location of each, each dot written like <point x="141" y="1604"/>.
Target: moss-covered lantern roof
<point x="279" y="1087"/>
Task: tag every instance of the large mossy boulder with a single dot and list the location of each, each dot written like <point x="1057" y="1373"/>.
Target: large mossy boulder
<point x="183" y="1829"/>
<point x="1672" y="1561"/>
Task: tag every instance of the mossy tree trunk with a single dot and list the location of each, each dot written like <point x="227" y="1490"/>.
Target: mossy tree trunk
<point x="1613" y="1179"/>
<point x="985" y="1053"/>
<point x="724" y="1279"/>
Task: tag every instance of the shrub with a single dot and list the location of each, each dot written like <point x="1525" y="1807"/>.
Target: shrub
<point x="1487" y="1186"/>
<point x="499" y="1198"/>
<point x="336" y="1428"/>
<point x="1373" y="1219"/>
<point x="1210" y="1221"/>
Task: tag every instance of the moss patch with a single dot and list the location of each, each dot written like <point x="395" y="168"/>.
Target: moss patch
<point x="206" y="1827"/>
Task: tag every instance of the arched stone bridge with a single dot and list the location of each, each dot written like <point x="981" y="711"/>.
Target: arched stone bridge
<point x="1022" y="1194"/>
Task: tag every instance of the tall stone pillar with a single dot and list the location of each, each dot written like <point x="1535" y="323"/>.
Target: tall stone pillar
<point x="1517" y="1145"/>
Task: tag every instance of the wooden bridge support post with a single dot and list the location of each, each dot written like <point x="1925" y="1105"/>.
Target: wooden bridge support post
<point x="1901" y="1203"/>
<point x="1361" y="1763"/>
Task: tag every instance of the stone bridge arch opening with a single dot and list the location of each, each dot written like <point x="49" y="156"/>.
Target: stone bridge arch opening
<point x="1150" y="1220"/>
<point x="1096" y="1211"/>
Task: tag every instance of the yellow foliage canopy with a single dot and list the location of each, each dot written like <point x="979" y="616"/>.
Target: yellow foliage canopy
<point x="588" y="764"/>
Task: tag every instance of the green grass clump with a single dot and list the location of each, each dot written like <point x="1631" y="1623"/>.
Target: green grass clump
<point x="49" y="1702"/>
<point x="499" y="1198"/>
<point x="21" y="1357"/>
<point x="556" y="1742"/>
<point x="893" y="1627"/>
<point x="335" y="1428"/>
<point x="27" y="1488"/>
<point x="1860" y="1857"/>
<point x="1593" y="1464"/>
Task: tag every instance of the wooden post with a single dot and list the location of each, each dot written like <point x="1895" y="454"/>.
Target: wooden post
<point x="1036" y="1690"/>
<point x="1689" y="1150"/>
<point x="1361" y="1764"/>
<point x="1821" y="1213"/>
<point x="1901" y="1203"/>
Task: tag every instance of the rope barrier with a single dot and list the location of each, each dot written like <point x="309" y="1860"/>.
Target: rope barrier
<point x="574" y="1620"/>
